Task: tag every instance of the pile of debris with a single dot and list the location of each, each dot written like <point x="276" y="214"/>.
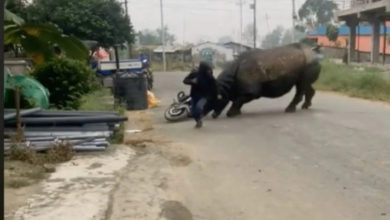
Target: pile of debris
<point x="42" y="129"/>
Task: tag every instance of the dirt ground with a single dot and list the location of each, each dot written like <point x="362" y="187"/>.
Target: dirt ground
<point x="129" y="181"/>
<point x="143" y="191"/>
<point x="19" y="186"/>
<point x="21" y="181"/>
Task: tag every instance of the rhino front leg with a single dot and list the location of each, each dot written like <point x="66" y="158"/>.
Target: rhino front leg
<point x="297" y="98"/>
<point x="235" y="109"/>
<point x="219" y="107"/>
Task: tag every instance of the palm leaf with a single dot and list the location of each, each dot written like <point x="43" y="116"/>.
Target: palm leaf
<point x="12" y="34"/>
<point x="73" y="48"/>
<point x="44" y="36"/>
<point x="37" y="49"/>
<point x="11" y="17"/>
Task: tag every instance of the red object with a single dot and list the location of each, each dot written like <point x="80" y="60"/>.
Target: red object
<point x="101" y="54"/>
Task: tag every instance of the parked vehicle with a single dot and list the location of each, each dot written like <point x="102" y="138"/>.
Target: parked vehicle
<point x="107" y="69"/>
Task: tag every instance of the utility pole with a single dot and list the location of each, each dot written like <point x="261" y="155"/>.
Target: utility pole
<point x="163" y="36"/>
<point x="267" y="20"/>
<point x="254" y="24"/>
<point x="293" y="21"/>
<point x="127" y="12"/>
<point x="240" y="26"/>
<point x="130" y="49"/>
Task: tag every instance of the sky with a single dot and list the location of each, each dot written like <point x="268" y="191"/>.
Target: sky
<point x="208" y="20"/>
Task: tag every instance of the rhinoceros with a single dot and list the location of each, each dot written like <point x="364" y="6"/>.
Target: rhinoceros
<point x="268" y="73"/>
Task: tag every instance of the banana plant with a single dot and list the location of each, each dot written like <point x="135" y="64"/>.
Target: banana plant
<point x="39" y="41"/>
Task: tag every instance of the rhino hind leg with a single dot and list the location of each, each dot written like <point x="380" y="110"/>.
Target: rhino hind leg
<point x="300" y="91"/>
<point x="310" y="76"/>
<point x="309" y="93"/>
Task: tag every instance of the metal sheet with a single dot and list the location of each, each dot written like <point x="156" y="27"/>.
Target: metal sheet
<point x="45" y="113"/>
<point x="77" y="120"/>
<point x="24" y="112"/>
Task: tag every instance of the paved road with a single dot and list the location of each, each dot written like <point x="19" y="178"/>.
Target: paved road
<point x="330" y="162"/>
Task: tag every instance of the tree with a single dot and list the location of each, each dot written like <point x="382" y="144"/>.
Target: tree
<point x="274" y="38"/>
<point x="103" y="21"/>
<point x="316" y="12"/>
<point x="332" y="32"/>
<point x="18" y="7"/>
<point x="288" y="38"/>
<point x="248" y="34"/>
<point x="148" y="37"/>
<point x="225" y="39"/>
<point x="169" y="38"/>
<point x="40" y="41"/>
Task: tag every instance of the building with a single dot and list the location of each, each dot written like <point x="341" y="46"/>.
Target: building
<point x="363" y="38"/>
<point x="373" y="12"/>
<point x="173" y="53"/>
<point x="216" y="53"/>
<point x="237" y="47"/>
<point x="213" y="52"/>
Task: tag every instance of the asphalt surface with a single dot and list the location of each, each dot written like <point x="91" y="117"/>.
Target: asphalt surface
<point x="329" y="162"/>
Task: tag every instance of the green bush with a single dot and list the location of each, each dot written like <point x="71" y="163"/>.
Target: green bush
<point x="363" y="82"/>
<point x="67" y="80"/>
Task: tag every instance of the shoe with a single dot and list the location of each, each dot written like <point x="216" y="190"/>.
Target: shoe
<point x="199" y="124"/>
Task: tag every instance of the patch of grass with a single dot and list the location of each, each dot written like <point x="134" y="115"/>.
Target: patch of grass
<point x="19" y="174"/>
<point x="56" y="154"/>
<point x="17" y="183"/>
<point x="60" y="153"/>
<point x="102" y="100"/>
<point x="23" y="167"/>
<point x="23" y="154"/>
<point x="99" y="100"/>
<point x="118" y="136"/>
<point x="363" y="82"/>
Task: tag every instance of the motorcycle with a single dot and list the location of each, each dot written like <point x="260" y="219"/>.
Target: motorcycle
<point x="179" y="109"/>
<point x="148" y="71"/>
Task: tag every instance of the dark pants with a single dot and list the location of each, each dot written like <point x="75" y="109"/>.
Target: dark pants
<point x="197" y="107"/>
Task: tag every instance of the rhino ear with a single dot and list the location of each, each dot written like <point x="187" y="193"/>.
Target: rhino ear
<point x="316" y="48"/>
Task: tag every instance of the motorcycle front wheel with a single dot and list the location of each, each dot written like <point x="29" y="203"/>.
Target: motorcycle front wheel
<point x="176" y="113"/>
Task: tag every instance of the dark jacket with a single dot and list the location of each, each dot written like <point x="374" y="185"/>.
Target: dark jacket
<point x="202" y="81"/>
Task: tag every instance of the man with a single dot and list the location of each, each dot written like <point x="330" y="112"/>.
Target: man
<point x="203" y="88"/>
